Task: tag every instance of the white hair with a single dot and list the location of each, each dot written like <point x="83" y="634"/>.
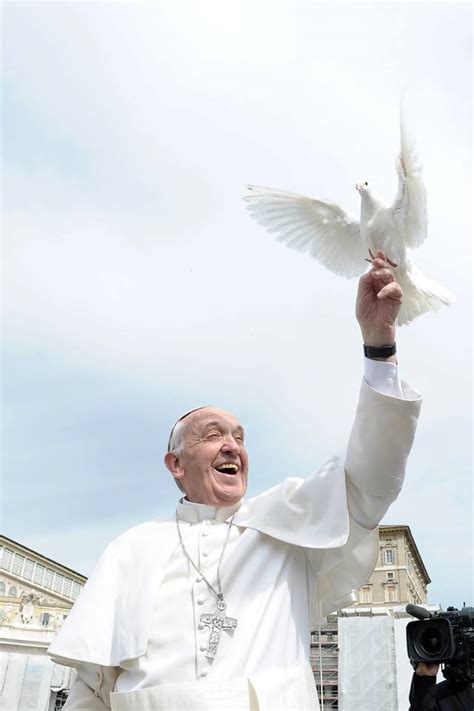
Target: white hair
<point x="176" y="445"/>
<point x="176" y="439"/>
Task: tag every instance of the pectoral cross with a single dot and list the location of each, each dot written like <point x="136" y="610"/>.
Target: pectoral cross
<point x="216" y="622"/>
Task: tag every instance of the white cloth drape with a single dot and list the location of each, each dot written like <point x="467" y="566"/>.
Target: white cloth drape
<point x="296" y="552"/>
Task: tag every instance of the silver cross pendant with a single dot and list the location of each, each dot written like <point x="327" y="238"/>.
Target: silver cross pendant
<point x="217" y="621"/>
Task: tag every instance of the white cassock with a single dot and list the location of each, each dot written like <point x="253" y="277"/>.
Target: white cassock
<point x="294" y="554"/>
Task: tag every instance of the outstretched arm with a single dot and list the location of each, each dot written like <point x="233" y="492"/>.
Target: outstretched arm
<point x="384" y="428"/>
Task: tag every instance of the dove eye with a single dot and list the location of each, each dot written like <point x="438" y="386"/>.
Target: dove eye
<point x="366" y="182"/>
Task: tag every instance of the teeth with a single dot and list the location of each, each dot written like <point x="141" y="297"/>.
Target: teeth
<point x="227" y="467"/>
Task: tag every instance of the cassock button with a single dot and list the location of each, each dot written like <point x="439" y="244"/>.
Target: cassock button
<point x="205" y="554"/>
<point x="205" y="533"/>
<point x="200" y="601"/>
<point x="203" y="647"/>
<point x="201" y="626"/>
<point x="199" y="579"/>
<point x="203" y="673"/>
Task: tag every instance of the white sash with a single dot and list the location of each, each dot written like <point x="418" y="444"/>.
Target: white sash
<point x="278" y="690"/>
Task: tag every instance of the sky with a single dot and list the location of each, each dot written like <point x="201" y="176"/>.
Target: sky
<point x="136" y="286"/>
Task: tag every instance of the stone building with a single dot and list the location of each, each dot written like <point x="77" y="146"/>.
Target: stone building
<point x="399" y="578"/>
<point x="400" y="575"/>
<point x="36" y="595"/>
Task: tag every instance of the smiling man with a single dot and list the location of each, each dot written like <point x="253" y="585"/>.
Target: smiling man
<point x="213" y="608"/>
<point x="207" y="456"/>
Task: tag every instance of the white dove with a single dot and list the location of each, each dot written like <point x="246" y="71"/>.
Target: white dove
<point x="341" y="242"/>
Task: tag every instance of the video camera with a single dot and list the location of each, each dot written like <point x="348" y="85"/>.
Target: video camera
<point x="443" y="638"/>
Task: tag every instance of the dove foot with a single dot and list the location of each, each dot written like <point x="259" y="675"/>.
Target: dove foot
<point x="392" y="263"/>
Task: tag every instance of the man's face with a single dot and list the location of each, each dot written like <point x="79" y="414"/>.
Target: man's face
<point x="212" y="463"/>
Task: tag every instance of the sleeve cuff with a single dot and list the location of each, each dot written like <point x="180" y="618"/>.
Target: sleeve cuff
<point x="384" y="377"/>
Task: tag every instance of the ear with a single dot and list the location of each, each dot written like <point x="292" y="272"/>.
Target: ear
<point x="173" y="464"/>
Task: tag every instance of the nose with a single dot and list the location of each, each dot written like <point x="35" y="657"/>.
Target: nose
<point x="230" y="445"/>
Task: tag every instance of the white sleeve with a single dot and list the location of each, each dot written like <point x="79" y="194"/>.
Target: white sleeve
<point x="312" y="513"/>
<point x="384" y="377"/>
<point x="380" y="441"/>
<point x="92" y="687"/>
<point x="82" y="698"/>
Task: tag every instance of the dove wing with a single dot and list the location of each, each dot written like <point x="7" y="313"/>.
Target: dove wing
<point x="410" y="203"/>
<point x="324" y="230"/>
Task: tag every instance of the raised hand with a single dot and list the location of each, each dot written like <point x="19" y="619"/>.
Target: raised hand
<point x="379" y="298"/>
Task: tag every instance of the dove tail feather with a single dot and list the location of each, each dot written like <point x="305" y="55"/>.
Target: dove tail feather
<point x="420" y="294"/>
<point x="416" y="219"/>
<point x="411" y="197"/>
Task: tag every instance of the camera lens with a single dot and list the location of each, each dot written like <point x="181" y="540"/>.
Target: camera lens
<point x="431" y="642"/>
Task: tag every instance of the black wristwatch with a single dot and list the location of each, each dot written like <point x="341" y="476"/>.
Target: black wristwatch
<point x="375" y="352"/>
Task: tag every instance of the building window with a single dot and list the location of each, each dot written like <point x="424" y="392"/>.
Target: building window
<point x="2" y="614"/>
<point x="389" y="556"/>
<point x="28" y="569"/>
<point x="7" y="558"/>
<point x="76" y="589"/>
<point x="39" y="573"/>
<point x="365" y="595"/>
<point x="391" y="593"/>
<point x="390" y="576"/>
<point x="2" y="588"/>
<point x="48" y="578"/>
<point x="67" y="587"/>
<point x="12" y="592"/>
<point x="18" y="561"/>
<point x="44" y="619"/>
<point x="58" y="582"/>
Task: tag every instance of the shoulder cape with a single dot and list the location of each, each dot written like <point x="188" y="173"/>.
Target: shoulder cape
<point x="106" y="626"/>
<point x="111" y="619"/>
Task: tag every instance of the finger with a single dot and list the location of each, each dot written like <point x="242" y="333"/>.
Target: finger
<point x="375" y="279"/>
<point x="382" y="280"/>
<point x="385" y="275"/>
<point x="366" y="279"/>
<point x="382" y="260"/>
<point x="392" y="291"/>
